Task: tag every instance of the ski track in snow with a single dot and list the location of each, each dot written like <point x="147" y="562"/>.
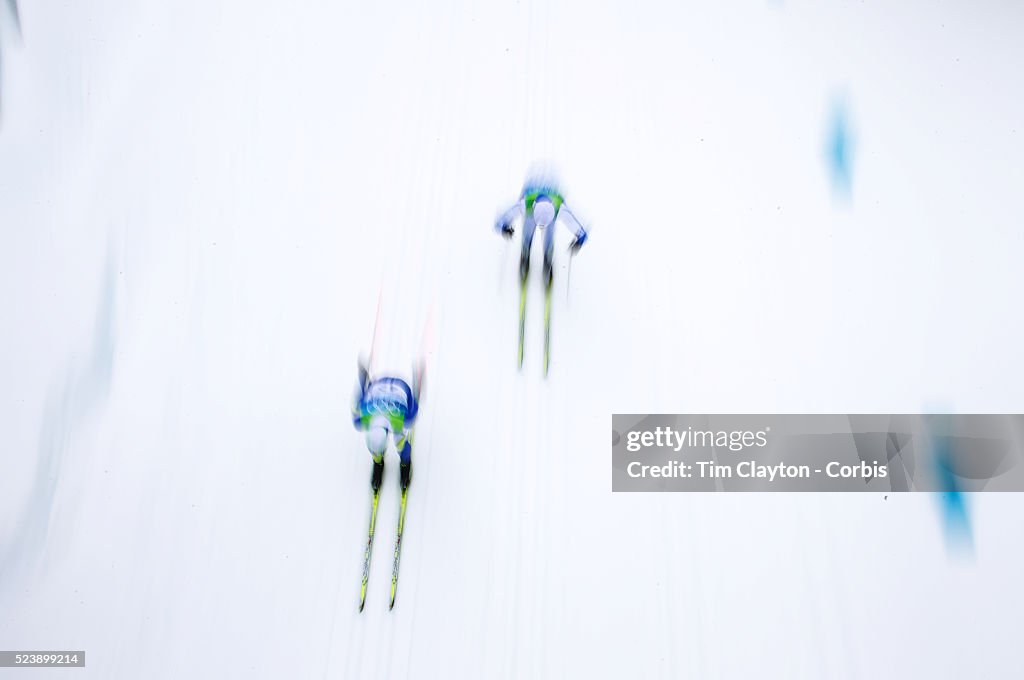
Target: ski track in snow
<point x="267" y="173"/>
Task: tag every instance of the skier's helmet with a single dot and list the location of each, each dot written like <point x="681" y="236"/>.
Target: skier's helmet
<point x="543" y="211"/>
<point x="377" y="437"/>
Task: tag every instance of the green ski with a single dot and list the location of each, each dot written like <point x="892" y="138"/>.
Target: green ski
<point x="547" y="326"/>
<point x="369" y="547"/>
<point x="522" y="318"/>
<point x="398" y="547"/>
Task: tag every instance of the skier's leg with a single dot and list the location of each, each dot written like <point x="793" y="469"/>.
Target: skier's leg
<point x="404" y="448"/>
<point x="524" y="270"/>
<point x="549" y="254"/>
<point x="529" y="226"/>
<point x="549" y="277"/>
<point x="377" y="444"/>
<point x="378" y="472"/>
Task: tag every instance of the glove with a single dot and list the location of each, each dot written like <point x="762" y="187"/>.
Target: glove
<point x="577" y="243"/>
<point x="364" y="374"/>
<point x="507" y="231"/>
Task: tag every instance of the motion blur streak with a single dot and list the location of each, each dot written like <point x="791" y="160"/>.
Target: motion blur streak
<point x="78" y="393"/>
<point x="839" y="148"/>
<point x="12" y="11"/>
<point x="953" y="503"/>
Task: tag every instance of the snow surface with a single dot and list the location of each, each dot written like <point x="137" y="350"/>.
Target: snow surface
<point x="202" y="202"/>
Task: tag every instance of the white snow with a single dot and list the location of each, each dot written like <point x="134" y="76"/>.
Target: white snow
<point x="201" y="204"/>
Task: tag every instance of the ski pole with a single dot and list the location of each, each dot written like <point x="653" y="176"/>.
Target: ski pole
<point x="568" y="280"/>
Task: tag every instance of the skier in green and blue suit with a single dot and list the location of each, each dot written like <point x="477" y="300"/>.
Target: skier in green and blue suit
<point x="384" y="408"/>
<point x="540" y="205"/>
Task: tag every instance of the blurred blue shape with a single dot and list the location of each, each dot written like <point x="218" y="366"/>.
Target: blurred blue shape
<point x="953" y="502"/>
<point x="12" y="9"/>
<point x="953" y="506"/>
<point x="839" y="148"/>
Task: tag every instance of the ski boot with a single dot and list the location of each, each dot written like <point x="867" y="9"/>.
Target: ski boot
<point x="378" y="475"/>
<point x="406" y="470"/>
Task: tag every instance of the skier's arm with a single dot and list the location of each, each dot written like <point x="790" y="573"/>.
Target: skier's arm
<point x="504" y="224"/>
<point x="357" y="399"/>
<point x="573" y="225"/>
<point x="414" y="409"/>
<point x="357" y="413"/>
<point x="364" y="376"/>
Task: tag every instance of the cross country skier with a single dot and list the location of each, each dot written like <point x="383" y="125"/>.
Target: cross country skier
<point x="540" y="205"/>
<point x="385" y="408"/>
